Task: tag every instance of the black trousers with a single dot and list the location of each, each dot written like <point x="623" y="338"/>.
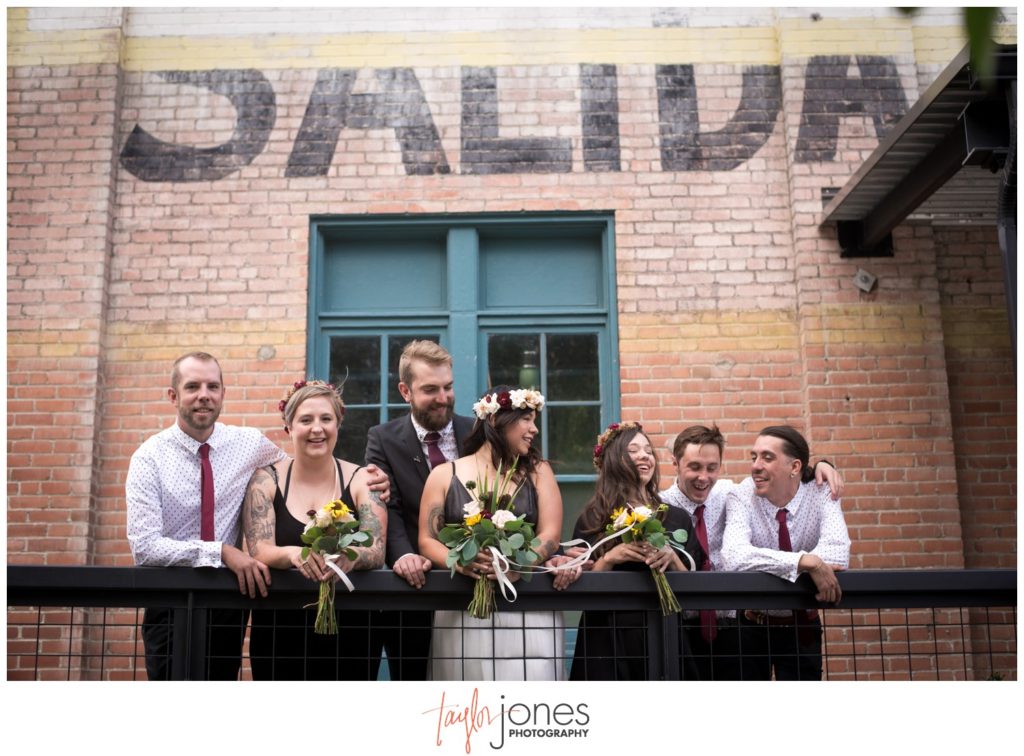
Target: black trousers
<point x="718" y="660"/>
<point x="788" y="646"/>
<point x="222" y="648"/>
<point x="405" y="636"/>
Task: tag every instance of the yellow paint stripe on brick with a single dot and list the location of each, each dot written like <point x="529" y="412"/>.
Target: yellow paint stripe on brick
<point x="802" y="38"/>
<point x="708" y="331"/>
<point x="937" y="45"/>
<point x="867" y="324"/>
<point x="58" y="48"/>
<point x="798" y="39"/>
<point x="975" y="330"/>
<point x="228" y="339"/>
<point x="751" y="46"/>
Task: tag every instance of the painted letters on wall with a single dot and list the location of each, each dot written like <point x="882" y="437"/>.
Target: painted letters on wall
<point x="399" y="104"/>
<point x="152" y="159"/>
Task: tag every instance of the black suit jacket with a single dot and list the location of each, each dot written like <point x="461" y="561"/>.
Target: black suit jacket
<point x="396" y="450"/>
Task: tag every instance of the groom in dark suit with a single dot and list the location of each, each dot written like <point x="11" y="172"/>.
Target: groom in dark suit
<point x="406" y="449"/>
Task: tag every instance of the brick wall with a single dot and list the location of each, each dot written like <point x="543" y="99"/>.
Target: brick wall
<point x="163" y="166"/>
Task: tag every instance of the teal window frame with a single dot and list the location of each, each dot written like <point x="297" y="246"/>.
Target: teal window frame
<point x="464" y="323"/>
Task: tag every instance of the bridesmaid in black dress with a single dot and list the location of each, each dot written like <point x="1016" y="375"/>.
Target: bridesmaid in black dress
<point x="282" y="644"/>
<point x="612" y="645"/>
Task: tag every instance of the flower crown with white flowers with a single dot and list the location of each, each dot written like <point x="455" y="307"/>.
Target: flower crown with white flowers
<point x="506" y="400"/>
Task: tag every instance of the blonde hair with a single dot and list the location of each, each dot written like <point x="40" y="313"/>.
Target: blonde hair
<point x="304" y="390"/>
<point x="425" y="351"/>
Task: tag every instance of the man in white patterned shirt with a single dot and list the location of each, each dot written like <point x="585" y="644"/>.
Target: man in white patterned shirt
<point x="167" y="523"/>
<point x="697" y="452"/>
<point x="779" y="522"/>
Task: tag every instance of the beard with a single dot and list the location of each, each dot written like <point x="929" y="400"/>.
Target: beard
<point x="199" y="422"/>
<point x="435" y="417"/>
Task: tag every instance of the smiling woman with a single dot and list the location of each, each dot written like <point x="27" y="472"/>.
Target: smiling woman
<point x="612" y="645"/>
<point x="465" y="647"/>
<point x="283" y="645"/>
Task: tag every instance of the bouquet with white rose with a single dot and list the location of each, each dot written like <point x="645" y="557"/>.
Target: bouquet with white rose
<point x="331" y="531"/>
<point x="643" y="525"/>
<point x="489" y="523"/>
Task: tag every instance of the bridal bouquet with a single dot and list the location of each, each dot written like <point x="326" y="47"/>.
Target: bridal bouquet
<point x="641" y="525"/>
<point x="489" y="523"/>
<point x="331" y="531"/>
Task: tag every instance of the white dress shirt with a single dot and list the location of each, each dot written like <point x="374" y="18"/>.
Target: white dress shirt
<point x="714" y="514"/>
<point x="814" y="520"/>
<point x="164" y="499"/>
<point x="714" y="523"/>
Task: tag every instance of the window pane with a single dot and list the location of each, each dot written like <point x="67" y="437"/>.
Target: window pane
<point x="395" y="346"/>
<point x="513" y="360"/>
<point x="360" y="356"/>
<point x="572" y="432"/>
<point x="352" y="436"/>
<point x="572" y="367"/>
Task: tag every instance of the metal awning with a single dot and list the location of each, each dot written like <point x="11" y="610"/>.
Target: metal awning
<point x="939" y="163"/>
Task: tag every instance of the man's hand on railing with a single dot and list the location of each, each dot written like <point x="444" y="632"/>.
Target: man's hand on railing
<point x="824" y="577"/>
<point x="413" y="568"/>
<point x="252" y="574"/>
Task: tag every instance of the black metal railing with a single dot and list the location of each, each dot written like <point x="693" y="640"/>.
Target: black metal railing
<point x="84" y="622"/>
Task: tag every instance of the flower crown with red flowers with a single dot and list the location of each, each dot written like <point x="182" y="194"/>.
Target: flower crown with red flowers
<point x="283" y="404"/>
<point x="606" y="438"/>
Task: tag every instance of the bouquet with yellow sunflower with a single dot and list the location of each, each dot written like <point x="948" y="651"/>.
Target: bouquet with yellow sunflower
<point x="489" y="523"/>
<point x="331" y="531"/>
<point x="642" y="525"/>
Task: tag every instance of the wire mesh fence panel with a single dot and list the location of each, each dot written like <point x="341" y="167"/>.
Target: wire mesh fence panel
<point x="943" y="625"/>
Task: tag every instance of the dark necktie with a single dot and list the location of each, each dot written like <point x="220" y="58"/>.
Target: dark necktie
<point x="784" y="543"/>
<point x="708" y="618"/>
<point x="433" y="450"/>
<point x="206" y="486"/>
<point x="804" y="633"/>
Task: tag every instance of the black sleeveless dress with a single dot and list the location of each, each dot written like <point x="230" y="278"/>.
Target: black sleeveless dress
<point x="612" y="645"/>
<point x="282" y="644"/>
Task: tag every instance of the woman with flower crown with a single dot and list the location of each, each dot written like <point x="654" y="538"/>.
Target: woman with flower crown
<point x="610" y="645"/>
<point x="508" y="645"/>
<point x="278" y="501"/>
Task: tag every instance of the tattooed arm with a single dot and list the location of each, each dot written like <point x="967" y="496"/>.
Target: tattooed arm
<point x="259" y="523"/>
<point x="373" y="519"/>
<point x="432" y="515"/>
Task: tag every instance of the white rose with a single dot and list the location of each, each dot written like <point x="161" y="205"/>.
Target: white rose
<point x="323" y="518"/>
<point x="518" y="398"/>
<point x="642" y="513"/>
<point x="472" y="508"/>
<point x="488" y="405"/>
<point x="501" y="518"/>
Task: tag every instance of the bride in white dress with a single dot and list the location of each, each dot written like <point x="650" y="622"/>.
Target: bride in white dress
<point x="510" y="645"/>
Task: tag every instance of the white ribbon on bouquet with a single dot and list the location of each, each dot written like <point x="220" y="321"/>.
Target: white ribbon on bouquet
<point x="329" y="561"/>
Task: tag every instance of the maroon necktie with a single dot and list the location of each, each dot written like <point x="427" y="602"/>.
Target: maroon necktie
<point x="708" y="618"/>
<point x="433" y="450"/>
<point x="784" y="543"/>
<point x="206" y="484"/>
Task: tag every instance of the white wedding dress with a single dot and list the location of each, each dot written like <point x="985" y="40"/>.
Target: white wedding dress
<point x="510" y="645"/>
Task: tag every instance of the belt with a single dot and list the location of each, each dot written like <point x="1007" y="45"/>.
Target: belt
<point x="803" y="619"/>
